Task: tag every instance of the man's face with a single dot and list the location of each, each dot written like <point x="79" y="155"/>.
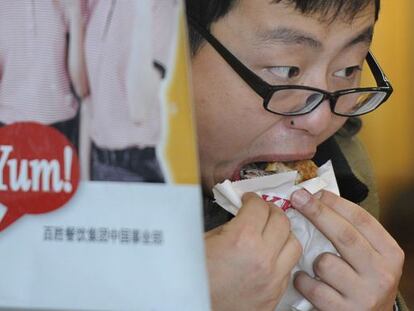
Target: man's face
<point x="282" y="46"/>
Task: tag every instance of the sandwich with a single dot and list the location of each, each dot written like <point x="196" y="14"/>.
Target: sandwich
<point x="306" y="169"/>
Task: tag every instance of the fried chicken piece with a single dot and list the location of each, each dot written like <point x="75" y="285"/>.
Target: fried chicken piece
<point x="307" y="169"/>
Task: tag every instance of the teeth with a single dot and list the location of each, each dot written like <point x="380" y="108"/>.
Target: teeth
<point x="255" y="165"/>
<point x="252" y="170"/>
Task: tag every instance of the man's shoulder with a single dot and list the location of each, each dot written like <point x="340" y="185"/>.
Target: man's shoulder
<point x="359" y="161"/>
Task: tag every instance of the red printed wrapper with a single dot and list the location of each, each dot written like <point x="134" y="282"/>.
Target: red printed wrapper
<point x="277" y="189"/>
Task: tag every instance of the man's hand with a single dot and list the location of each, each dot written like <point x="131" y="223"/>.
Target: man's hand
<point x="367" y="274"/>
<point x="250" y="258"/>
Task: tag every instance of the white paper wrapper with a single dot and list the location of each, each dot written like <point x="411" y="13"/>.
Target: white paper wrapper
<point x="278" y="188"/>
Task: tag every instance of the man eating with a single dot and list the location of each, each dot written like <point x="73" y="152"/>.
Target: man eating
<point x="281" y="81"/>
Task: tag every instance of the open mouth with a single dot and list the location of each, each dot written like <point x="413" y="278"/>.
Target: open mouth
<point x="307" y="169"/>
<point x="257" y="169"/>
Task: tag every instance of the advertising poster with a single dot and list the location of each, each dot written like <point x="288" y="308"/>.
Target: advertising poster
<point x="100" y="201"/>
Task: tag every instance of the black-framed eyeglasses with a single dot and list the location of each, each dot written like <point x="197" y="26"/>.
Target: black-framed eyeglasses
<point x="294" y="100"/>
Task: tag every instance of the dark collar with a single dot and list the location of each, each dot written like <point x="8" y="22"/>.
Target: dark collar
<point x="350" y="187"/>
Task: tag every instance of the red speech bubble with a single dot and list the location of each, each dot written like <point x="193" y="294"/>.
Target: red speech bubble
<point x="39" y="170"/>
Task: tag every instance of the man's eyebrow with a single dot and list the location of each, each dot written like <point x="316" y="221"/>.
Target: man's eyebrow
<point x="293" y="36"/>
<point x="288" y="36"/>
<point x="364" y="37"/>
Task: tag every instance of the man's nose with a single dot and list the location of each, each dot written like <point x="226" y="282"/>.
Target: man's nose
<point x="315" y="122"/>
<point x="319" y="119"/>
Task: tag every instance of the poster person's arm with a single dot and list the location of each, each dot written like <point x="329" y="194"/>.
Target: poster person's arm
<point x="167" y="32"/>
<point x="142" y="78"/>
<point x="76" y="51"/>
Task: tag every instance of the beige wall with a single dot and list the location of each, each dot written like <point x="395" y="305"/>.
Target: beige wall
<point x="388" y="133"/>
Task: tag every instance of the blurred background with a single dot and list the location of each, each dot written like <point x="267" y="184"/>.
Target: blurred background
<point x="388" y="133"/>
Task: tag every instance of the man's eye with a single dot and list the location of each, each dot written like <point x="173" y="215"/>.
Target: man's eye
<point x="348" y="72"/>
<point x="285" y="72"/>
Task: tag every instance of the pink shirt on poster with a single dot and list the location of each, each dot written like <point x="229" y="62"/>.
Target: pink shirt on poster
<point x="34" y="78"/>
<point x="123" y="39"/>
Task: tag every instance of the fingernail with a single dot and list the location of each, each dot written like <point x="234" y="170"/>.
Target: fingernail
<point x="300" y="198"/>
<point x="318" y="195"/>
<point x="297" y="273"/>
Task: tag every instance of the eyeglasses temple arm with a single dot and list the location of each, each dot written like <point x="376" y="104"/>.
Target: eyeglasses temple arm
<point x="379" y="75"/>
<point x="255" y="82"/>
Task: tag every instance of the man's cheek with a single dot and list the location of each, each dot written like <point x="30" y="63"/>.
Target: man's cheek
<point x="336" y="124"/>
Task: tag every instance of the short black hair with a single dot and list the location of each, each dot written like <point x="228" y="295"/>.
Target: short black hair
<point x="207" y="12"/>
